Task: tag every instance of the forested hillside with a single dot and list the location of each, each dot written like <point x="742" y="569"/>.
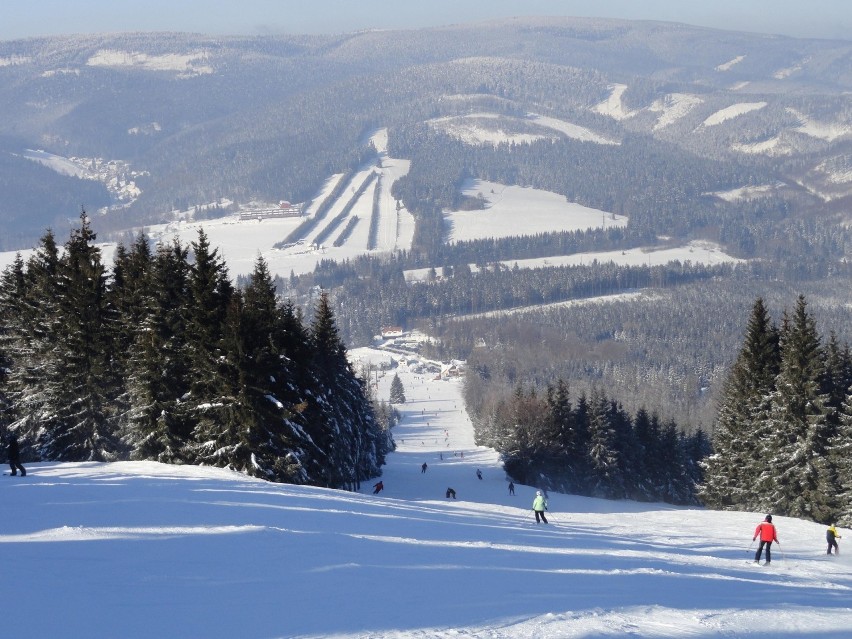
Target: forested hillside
<point x="164" y="359"/>
<point x="667" y="137"/>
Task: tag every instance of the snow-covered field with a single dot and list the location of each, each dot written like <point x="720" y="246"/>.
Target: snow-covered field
<point x="697" y="252"/>
<point x="140" y="550"/>
<point x="673" y="107"/>
<point x="733" y="111"/>
<point x="490" y="128"/>
<point x="613" y="105"/>
<point x="516" y="210"/>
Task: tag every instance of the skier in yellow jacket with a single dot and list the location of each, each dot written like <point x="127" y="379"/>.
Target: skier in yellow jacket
<point x="831" y="537"/>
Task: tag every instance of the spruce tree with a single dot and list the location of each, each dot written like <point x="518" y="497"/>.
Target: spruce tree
<point x="158" y="426"/>
<point x="12" y="293"/>
<point x="263" y="441"/>
<point x="796" y="430"/>
<point x="33" y="381"/>
<point x="86" y="422"/>
<point x="342" y="419"/>
<point x="731" y="472"/>
<point x="606" y="475"/>
<point x="210" y="294"/>
<point x="397" y="392"/>
<point x="840" y="454"/>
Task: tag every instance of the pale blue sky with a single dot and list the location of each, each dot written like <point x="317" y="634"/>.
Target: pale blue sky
<point x="27" y="18"/>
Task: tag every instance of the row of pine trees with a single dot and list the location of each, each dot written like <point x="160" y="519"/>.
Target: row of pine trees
<point x="164" y="359"/>
<point x="783" y="436"/>
<point x="590" y="446"/>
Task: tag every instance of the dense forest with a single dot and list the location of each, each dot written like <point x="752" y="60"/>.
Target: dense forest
<point x="588" y="447"/>
<point x="164" y="359"/>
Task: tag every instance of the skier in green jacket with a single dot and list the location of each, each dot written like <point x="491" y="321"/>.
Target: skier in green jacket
<point x="539" y="506"/>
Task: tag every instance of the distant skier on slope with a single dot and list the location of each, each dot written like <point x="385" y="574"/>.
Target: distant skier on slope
<point x="479" y="473"/>
<point x="831" y="537"/>
<point x="378" y="488"/>
<point x="767" y="533"/>
<point x="511" y="488"/>
<point x="423" y="467"/>
<point x="451" y="493"/>
<point x="539" y="506"/>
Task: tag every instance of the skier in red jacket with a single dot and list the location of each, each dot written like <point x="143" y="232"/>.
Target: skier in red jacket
<point x="768" y="534"/>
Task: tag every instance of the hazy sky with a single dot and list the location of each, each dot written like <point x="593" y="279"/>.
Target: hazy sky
<point x="26" y="18"/>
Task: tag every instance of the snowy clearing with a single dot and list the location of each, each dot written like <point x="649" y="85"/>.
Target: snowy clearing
<point x="772" y="146"/>
<point x="673" y="107"/>
<point x="746" y="193"/>
<point x="733" y="111"/>
<point x="516" y="210"/>
<point x="697" y="252"/>
<point x="730" y="63"/>
<point x="613" y="105"/>
<point x="184" y="63"/>
<point x="828" y="131"/>
<point x="494" y="128"/>
<point x="140" y="550"/>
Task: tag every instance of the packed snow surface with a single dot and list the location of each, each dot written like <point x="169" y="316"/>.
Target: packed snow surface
<point x="697" y="252"/>
<point x="494" y="128"/>
<point x="515" y="210"/>
<point x="730" y="63"/>
<point x="673" y="107"/>
<point x="733" y="111"/>
<point x="139" y="550"/>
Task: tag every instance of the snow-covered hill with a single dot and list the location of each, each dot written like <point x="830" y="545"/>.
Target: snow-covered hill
<point x="146" y="550"/>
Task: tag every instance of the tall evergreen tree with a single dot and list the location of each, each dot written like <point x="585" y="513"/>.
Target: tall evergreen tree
<point x="796" y="430"/>
<point x="12" y="293"/>
<point x="262" y="440"/>
<point x="85" y="427"/>
<point x="731" y="472"/>
<point x="33" y="381"/>
<point x="210" y="294"/>
<point x="397" y="391"/>
<point x="607" y="477"/>
<point x="841" y="460"/>
<point x="343" y="419"/>
<point x="158" y="426"/>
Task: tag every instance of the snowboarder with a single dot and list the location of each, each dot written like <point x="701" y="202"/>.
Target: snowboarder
<point x="831" y="537"/>
<point x="479" y="473"/>
<point x="511" y="488"/>
<point x="378" y="488"/>
<point x="539" y="506"/>
<point x="423" y="468"/>
<point x="14" y="453"/>
<point x="767" y="533"/>
<point x="451" y="493"/>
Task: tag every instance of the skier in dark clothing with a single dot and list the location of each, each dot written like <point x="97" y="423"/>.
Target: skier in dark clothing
<point x="767" y="534"/>
<point x="511" y="488"/>
<point x="451" y="493"/>
<point x="378" y="488"/>
<point x="423" y="467"/>
<point x="14" y="453"/>
<point x="479" y="473"/>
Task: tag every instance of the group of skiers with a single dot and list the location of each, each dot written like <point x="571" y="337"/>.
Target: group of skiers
<point x="765" y="530"/>
<point x="768" y="534"/>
